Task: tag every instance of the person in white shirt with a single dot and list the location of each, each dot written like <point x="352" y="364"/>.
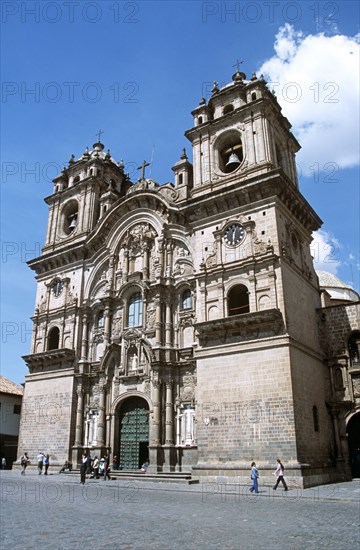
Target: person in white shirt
<point x="279" y="472"/>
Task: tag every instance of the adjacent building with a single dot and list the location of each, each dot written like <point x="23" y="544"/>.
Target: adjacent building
<point x="10" y="408"/>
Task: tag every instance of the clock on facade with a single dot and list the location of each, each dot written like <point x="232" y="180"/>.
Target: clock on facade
<point x="57" y="287"/>
<point x="234" y="233"/>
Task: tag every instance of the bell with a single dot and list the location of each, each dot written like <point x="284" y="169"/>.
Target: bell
<point x="72" y="223"/>
<point x="233" y="161"/>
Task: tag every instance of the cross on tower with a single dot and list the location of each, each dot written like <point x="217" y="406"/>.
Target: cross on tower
<point x="142" y="168"/>
<point x="237" y="64"/>
<point x="99" y="134"/>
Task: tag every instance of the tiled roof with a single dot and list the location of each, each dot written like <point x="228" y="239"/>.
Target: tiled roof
<point x="331" y="280"/>
<point x="6" y="386"/>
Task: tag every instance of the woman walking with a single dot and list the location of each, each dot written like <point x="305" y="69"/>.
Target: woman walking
<point x="254" y="476"/>
<point x="46" y="463"/>
<point x="279" y="472"/>
<point x="83" y="466"/>
<point x="24" y="460"/>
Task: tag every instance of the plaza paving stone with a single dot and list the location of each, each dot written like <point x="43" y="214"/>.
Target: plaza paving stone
<point x="58" y="512"/>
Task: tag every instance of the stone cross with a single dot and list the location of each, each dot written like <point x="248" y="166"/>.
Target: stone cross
<point x="142" y="168"/>
<point x="237" y="64"/>
<point x="99" y="135"/>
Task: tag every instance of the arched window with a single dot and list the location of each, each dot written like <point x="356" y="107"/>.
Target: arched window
<point x="228" y="109"/>
<point x="53" y="338"/>
<point x="135" y="310"/>
<point x="100" y="319"/>
<point x="200" y="119"/>
<point x="186" y="301"/>
<point x="180" y="179"/>
<point x="253" y="96"/>
<point x="315" y="418"/>
<point x="354" y="349"/>
<point x="238" y="300"/>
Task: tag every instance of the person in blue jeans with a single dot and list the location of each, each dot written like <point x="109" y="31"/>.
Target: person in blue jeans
<point x="254" y="476"/>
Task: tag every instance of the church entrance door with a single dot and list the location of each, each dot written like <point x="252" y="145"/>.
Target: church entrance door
<point x="353" y="430"/>
<point x="134" y="433"/>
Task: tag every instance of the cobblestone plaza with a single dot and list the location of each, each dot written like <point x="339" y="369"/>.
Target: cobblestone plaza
<point x="62" y="514"/>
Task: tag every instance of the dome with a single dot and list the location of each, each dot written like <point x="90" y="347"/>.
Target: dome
<point x="338" y="290"/>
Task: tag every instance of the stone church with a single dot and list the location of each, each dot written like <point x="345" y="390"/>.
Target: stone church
<point x="184" y="323"/>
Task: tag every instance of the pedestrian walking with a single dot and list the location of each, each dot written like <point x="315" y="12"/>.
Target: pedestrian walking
<point x="115" y="463"/>
<point x="46" y="463"/>
<point x="3" y="463"/>
<point x="101" y="466"/>
<point x="254" y="477"/>
<point x="106" y="468"/>
<point x="95" y="468"/>
<point x="88" y="464"/>
<point x="83" y="466"/>
<point x="40" y="462"/>
<point x="24" y="461"/>
<point x="279" y="472"/>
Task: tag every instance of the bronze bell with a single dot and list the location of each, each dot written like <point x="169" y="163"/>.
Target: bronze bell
<point x="233" y="161"/>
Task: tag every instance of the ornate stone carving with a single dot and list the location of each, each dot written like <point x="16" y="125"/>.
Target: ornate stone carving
<point x="356" y="385"/>
<point x="187" y="392"/>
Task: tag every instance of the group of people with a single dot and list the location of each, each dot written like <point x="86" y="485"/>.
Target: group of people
<point x="279" y="472"/>
<point x="43" y="462"/>
<point x="94" y="467"/>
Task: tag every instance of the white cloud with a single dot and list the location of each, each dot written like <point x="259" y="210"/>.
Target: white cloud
<point x="325" y="250"/>
<point x="316" y="81"/>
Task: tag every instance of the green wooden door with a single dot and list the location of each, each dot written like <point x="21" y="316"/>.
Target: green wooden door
<point x="134" y="433"/>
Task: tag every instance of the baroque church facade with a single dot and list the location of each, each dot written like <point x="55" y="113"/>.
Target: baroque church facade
<point x="183" y="323"/>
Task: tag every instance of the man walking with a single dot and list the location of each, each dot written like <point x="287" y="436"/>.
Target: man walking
<point x="40" y="462"/>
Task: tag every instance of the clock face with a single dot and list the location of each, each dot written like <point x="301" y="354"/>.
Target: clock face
<point x="57" y="287"/>
<point x="234" y="234"/>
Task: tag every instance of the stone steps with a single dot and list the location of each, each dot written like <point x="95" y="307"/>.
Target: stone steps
<point x="169" y="477"/>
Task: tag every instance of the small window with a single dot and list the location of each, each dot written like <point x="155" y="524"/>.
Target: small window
<point x="76" y="179"/>
<point x="200" y="119"/>
<point x="17" y="409"/>
<point x="315" y="418"/>
<point x="238" y="300"/>
<point x="100" y="319"/>
<point x="186" y="301"/>
<point x="180" y="179"/>
<point x="354" y="349"/>
<point x="135" y="310"/>
<point x="228" y="109"/>
<point x="253" y="96"/>
<point x="53" y="338"/>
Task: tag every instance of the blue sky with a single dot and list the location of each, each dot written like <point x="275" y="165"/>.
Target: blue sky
<point x="135" y="70"/>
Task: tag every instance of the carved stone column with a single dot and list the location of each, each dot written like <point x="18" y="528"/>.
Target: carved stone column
<point x="169" y="438"/>
<point x="126" y="265"/>
<point x="157" y="405"/>
<point x="155" y="449"/>
<point x="107" y="325"/>
<point x="169" y="448"/>
<point x="101" y="421"/>
<point x="145" y="268"/>
<point x="79" y="416"/>
<point x="158" y="323"/>
<point x="168" y="324"/>
<point x="84" y="338"/>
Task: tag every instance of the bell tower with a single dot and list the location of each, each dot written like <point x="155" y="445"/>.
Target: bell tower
<point x="83" y="192"/>
<point x="239" y="134"/>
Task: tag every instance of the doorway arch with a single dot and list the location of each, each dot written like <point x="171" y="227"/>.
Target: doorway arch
<point x="133" y="433"/>
<point x="353" y="431"/>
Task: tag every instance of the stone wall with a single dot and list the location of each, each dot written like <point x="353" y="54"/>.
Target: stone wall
<point x="47" y="416"/>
